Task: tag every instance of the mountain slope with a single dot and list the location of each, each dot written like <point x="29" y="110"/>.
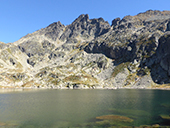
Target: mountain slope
<point x="133" y="52"/>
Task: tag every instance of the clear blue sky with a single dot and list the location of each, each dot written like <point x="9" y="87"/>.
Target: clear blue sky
<point x="20" y="17"/>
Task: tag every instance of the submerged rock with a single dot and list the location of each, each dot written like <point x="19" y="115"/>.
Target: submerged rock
<point x="115" y="118"/>
<point x="130" y="112"/>
<point x="165" y="117"/>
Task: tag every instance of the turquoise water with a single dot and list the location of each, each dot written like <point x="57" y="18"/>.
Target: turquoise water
<point x="79" y="108"/>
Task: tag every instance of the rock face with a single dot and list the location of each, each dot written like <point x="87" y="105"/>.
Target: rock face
<point x="133" y="52"/>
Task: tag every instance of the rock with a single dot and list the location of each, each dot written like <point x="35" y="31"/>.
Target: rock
<point x="115" y="118"/>
<point x="54" y="30"/>
<point x="131" y="113"/>
<point x="12" y="61"/>
<point x="120" y="78"/>
<point x="165" y="117"/>
<point x="156" y="125"/>
<point x="89" y="53"/>
<point x="144" y="82"/>
<point x="115" y="22"/>
<point x="3" y="45"/>
<point x="168" y="26"/>
<point x="163" y="53"/>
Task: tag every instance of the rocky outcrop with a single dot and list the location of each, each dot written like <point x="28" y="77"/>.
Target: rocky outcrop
<point x="133" y="52"/>
<point x="162" y="58"/>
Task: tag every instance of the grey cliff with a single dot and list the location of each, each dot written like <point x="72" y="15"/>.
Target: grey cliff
<point x="133" y="52"/>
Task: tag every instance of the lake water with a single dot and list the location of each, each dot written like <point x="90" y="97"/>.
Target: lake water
<point x="83" y="108"/>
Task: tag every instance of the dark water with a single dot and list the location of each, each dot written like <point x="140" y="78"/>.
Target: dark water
<point x="79" y="108"/>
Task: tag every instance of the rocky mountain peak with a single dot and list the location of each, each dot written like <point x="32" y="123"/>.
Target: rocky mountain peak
<point x="54" y="30"/>
<point x="151" y="15"/>
<point x="2" y="45"/>
<point x="2" y="42"/>
<point x="115" y="21"/>
<point x="133" y="53"/>
<point x="82" y="18"/>
<point x="55" y="25"/>
<point x="85" y="28"/>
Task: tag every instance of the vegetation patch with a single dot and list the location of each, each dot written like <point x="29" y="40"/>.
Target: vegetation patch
<point x="9" y="50"/>
<point x="19" y="67"/>
<point x="143" y="72"/>
<point x="28" y="84"/>
<point x="55" y="82"/>
<point x="119" y="68"/>
<point x="165" y="86"/>
<point x="80" y="79"/>
<point x="131" y="79"/>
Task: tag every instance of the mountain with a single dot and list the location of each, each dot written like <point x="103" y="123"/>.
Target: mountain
<point x="133" y="52"/>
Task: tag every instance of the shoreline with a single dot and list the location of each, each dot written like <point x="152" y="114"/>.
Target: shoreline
<point x="10" y="89"/>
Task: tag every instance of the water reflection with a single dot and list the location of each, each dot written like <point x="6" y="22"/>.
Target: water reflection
<point x="82" y="107"/>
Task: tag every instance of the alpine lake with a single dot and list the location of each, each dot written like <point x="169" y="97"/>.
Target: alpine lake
<point x="84" y="108"/>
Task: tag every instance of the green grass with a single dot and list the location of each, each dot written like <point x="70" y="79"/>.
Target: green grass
<point x="130" y="79"/>
<point x="55" y="82"/>
<point x="119" y="68"/>
<point x="80" y="79"/>
<point x="9" y="50"/>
